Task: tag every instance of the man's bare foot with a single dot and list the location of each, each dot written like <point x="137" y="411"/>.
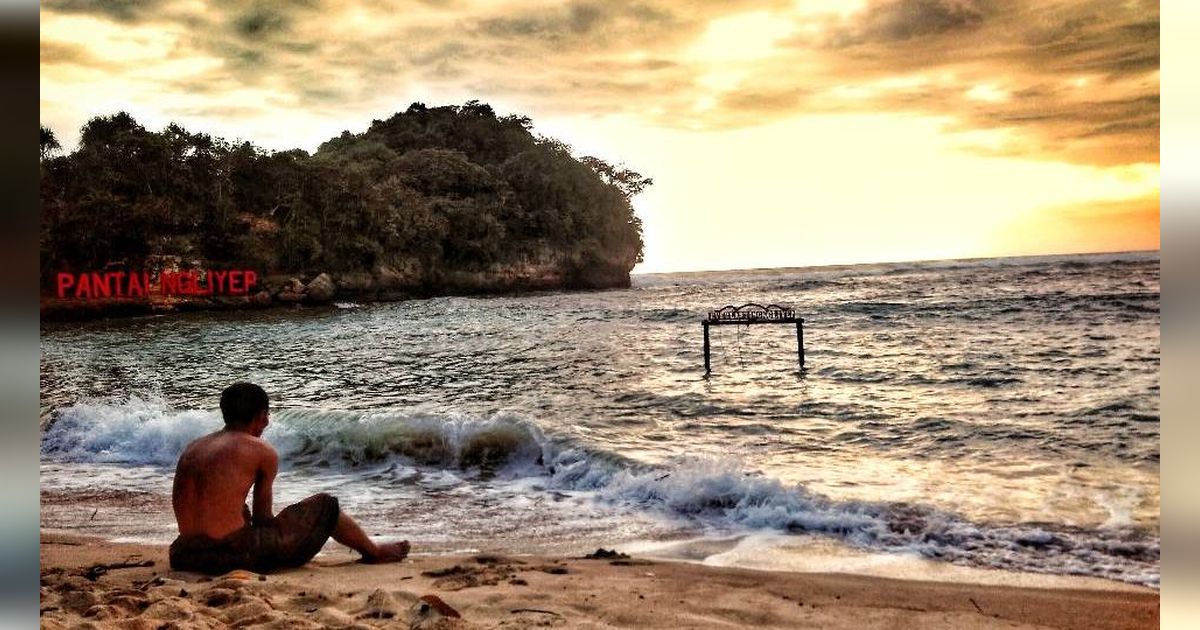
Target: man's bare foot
<point x="389" y="552"/>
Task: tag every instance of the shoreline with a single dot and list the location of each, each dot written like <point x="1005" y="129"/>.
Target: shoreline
<point x="144" y="519"/>
<point x="323" y="290"/>
<point x="495" y="590"/>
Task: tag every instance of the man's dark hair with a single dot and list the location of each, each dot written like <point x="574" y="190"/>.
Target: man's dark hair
<point x="240" y="402"/>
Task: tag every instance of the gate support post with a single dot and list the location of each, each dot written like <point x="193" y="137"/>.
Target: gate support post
<point x="707" y="369"/>
<point x="800" y="341"/>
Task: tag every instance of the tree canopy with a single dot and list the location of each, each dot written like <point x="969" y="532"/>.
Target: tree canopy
<point x="438" y="189"/>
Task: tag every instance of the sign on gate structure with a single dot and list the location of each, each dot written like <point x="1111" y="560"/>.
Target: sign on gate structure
<point x="752" y="313"/>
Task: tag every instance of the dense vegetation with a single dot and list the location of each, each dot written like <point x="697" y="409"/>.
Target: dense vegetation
<point x="432" y="190"/>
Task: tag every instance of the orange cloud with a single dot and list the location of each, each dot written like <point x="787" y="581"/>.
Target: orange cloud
<point x="1126" y="225"/>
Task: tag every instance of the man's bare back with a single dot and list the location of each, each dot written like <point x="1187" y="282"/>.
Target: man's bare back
<point x="214" y="475"/>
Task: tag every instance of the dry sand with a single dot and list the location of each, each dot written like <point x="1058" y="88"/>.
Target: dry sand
<point x="490" y="591"/>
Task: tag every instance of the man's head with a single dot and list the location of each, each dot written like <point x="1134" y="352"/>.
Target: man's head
<point x="245" y="408"/>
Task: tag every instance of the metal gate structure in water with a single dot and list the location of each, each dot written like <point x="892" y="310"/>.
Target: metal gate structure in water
<point x="753" y="314"/>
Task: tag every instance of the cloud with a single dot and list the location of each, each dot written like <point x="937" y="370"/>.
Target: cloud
<point x="119" y="10"/>
<point x="1078" y="81"/>
<point x="1069" y="80"/>
<point x="60" y="53"/>
<point x="587" y="24"/>
<point x="259" y="21"/>
<point x="1100" y="38"/>
<point x="903" y="20"/>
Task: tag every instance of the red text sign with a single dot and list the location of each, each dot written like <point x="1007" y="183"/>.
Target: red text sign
<point x="127" y="284"/>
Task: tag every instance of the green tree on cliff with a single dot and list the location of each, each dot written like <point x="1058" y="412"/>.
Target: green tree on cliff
<point x="437" y="189"/>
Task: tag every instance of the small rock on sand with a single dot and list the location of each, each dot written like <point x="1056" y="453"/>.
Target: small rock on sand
<point x="77" y="601"/>
<point x="252" y="612"/>
<point x="170" y="609"/>
<point x="380" y="604"/>
<point x="331" y="617"/>
<point x="52" y="622"/>
<point x="430" y="613"/>
<point x="436" y="603"/>
<point x="131" y="604"/>
<point x="102" y="612"/>
<point x="218" y="597"/>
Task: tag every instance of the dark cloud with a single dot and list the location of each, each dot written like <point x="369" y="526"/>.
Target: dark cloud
<point x="608" y="66"/>
<point x="441" y="53"/>
<point x="259" y="21"/>
<point x="608" y="26"/>
<point x="299" y="47"/>
<point x="319" y="95"/>
<point x="1132" y="121"/>
<point x="1121" y="116"/>
<point x="119" y="10"/>
<point x="54" y="53"/>
<point x="765" y="102"/>
<point x="210" y="84"/>
<point x="585" y="24"/>
<point x="1103" y="37"/>
<point x="902" y="20"/>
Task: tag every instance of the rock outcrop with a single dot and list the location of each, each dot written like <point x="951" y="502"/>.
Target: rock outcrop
<point x="320" y="290"/>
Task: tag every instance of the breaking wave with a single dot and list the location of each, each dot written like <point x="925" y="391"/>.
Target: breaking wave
<point x="713" y="493"/>
<point x="148" y="431"/>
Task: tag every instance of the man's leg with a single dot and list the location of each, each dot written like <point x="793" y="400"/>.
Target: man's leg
<point x="350" y="534"/>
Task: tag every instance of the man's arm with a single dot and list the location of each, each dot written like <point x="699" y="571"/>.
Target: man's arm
<point x="264" y="482"/>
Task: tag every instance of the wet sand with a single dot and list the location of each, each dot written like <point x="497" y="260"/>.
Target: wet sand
<point x="493" y="591"/>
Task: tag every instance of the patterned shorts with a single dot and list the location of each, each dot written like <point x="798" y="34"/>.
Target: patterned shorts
<point x="290" y="540"/>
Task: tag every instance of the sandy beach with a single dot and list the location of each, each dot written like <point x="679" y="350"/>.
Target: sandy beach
<point x="493" y="591"/>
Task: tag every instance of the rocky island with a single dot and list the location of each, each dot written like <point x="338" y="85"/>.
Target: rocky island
<point x="432" y="201"/>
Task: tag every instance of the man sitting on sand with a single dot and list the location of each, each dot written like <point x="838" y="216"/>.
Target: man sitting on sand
<point x="217" y="534"/>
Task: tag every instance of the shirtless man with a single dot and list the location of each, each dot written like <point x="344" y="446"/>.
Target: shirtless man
<point x="215" y="473"/>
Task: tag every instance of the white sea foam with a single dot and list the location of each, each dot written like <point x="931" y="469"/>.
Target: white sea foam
<point x="149" y="431"/>
<point x="134" y="431"/>
<point x="717" y="494"/>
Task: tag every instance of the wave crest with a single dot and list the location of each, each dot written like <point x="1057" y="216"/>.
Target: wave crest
<point x="149" y="431"/>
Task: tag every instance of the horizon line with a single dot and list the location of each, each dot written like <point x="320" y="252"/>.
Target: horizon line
<point x="890" y="262"/>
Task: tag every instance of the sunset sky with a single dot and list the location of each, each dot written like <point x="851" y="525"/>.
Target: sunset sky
<point x="777" y="133"/>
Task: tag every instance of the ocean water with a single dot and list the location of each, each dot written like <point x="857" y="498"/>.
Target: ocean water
<point x="999" y="414"/>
